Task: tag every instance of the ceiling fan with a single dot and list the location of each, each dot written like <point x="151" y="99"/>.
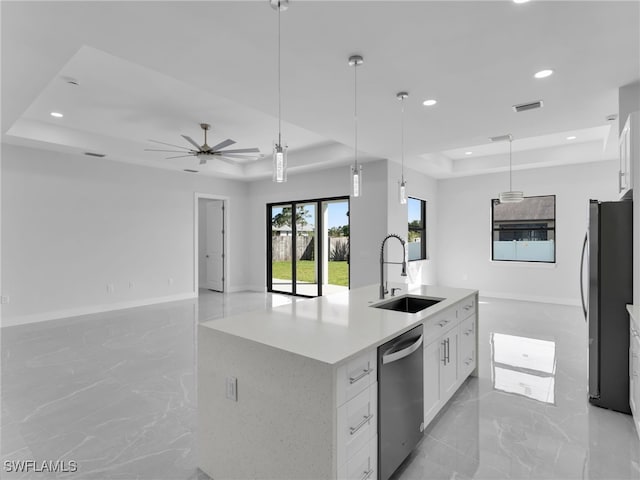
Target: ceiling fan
<point x="204" y="152"/>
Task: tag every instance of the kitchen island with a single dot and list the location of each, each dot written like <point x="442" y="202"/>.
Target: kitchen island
<point x="291" y="392"/>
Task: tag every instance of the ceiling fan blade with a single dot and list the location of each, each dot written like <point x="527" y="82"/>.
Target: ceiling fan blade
<point x="239" y="156"/>
<point x="157" y="150"/>
<point x="170" y="144"/>
<point x="191" y="141"/>
<point x="181" y="156"/>
<point x="226" y="143"/>
<point x="242" y="150"/>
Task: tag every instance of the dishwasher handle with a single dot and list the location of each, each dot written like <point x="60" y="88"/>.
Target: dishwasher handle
<point x="391" y="356"/>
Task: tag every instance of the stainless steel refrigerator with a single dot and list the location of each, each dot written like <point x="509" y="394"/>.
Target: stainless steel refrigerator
<point x="608" y="256"/>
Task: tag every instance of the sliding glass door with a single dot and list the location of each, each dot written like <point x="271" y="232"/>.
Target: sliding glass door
<point x="302" y="248"/>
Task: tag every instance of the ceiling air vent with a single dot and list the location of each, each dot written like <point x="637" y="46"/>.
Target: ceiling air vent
<point x="523" y="107"/>
<point x="91" y="154"/>
<point x="501" y="138"/>
<point x="190" y="171"/>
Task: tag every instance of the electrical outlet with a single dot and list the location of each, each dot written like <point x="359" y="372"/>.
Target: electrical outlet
<point x="110" y="288"/>
<point x="232" y="388"/>
<point x="5" y="299"/>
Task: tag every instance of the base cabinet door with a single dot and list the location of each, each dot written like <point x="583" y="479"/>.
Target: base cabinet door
<point x="634" y="377"/>
<point x="449" y="368"/>
<point x="431" y="380"/>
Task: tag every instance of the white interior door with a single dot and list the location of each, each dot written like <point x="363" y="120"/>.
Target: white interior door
<point x="214" y="250"/>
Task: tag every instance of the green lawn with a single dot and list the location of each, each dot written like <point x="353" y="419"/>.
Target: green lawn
<point x="338" y="272"/>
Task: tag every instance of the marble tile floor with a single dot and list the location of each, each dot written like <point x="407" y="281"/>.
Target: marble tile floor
<point x="116" y="393"/>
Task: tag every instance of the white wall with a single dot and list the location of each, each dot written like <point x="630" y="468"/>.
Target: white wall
<point x="368" y="215"/>
<point x="72" y="224"/>
<point x="464" y="231"/>
<point x="423" y="187"/>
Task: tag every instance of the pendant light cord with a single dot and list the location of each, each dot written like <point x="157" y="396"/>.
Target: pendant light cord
<point x="510" y="168"/>
<point x="402" y="136"/>
<point x="279" y="95"/>
<point x="355" y="110"/>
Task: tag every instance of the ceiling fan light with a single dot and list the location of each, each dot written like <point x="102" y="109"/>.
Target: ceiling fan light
<point x="279" y="163"/>
<point x="511" y="197"/>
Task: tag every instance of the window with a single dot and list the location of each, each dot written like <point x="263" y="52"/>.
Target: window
<point x="417" y="234"/>
<point x="525" y="231"/>
<point x="308" y="251"/>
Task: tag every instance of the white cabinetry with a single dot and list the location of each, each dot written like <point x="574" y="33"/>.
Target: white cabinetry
<point x="431" y="380"/>
<point x="634" y="373"/>
<point x="357" y="418"/>
<point x="629" y="155"/>
<point x="449" y="354"/>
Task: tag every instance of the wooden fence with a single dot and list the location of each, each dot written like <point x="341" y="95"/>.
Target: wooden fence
<point x="305" y="247"/>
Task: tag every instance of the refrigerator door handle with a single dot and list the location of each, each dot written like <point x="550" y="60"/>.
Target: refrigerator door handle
<point x="584" y="250"/>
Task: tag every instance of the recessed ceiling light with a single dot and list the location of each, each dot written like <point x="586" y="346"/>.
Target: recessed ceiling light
<point x="543" y="73"/>
<point x="571" y="137"/>
<point x="468" y="153"/>
<point x="520" y="1"/>
<point x="57" y="114"/>
<point x="430" y="102"/>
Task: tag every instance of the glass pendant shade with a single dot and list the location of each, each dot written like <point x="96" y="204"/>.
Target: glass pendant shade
<point x="356" y="180"/>
<point x="402" y="192"/>
<point x="279" y="163"/>
<point x="511" y="197"/>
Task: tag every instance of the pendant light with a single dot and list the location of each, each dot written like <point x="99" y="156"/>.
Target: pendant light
<point x="402" y="191"/>
<point x="511" y="196"/>
<point x="279" y="150"/>
<point x="356" y="170"/>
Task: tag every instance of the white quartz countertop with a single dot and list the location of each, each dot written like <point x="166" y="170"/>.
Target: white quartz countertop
<point x="336" y="327"/>
<point x="634" y="311"/>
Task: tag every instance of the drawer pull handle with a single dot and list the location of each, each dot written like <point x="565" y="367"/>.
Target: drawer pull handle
<point x="364" y="421"/>
<point x="364" y="373"/>
<point x="367" y="474"/>
<point x="443" y="323"/>
<point x="468" y="332"/>
<point x="468" y="307"/>
<point x="468" y="361"/>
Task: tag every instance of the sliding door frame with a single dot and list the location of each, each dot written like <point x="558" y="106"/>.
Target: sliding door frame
<point x="294" y="233"/>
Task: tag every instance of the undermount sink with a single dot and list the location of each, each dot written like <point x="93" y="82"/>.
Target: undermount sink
<point x="409" y="303"/>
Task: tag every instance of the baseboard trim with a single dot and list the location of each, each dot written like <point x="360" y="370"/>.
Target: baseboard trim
<point x="531" y="298"/>
<point x="76" y="312"/>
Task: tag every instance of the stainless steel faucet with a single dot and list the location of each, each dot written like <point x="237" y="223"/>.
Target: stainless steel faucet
<point x="383" y="290"/>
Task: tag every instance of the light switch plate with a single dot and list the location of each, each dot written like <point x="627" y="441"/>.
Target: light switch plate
<point x="232" y="388"/>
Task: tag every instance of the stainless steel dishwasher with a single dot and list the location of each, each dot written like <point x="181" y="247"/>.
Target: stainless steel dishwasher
<point x="400" y="399"/>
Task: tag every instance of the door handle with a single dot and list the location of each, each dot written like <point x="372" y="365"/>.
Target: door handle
<point x="392" y="357"/>
<point x="447" y="351"/>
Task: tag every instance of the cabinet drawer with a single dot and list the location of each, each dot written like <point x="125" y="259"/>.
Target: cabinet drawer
<point x="356" y="375"/>
<point x="439" y="324"/>
<point x="363" y="465"/>
<point x="357" y="423"/>
<point x="468" y="345"/>
<point x="467" y="307"/>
